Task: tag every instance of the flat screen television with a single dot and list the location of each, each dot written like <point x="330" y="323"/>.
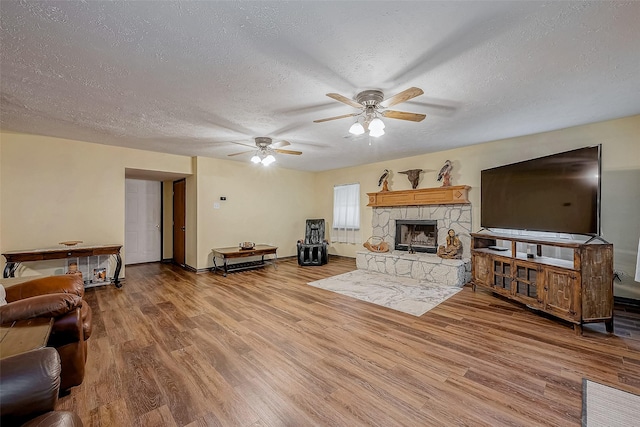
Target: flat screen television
<point x="556" y="193"/>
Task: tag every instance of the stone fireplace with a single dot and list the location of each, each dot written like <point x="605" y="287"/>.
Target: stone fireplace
<point x="387" y="222"/>
<point x="418" y="235"/>
<point x="451" y="216"/>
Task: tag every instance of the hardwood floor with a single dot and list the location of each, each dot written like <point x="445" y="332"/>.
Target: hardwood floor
<point x="262" y="348"/>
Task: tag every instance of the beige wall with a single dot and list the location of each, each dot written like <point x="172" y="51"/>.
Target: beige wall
<point x="57" y="189"/>
<point x="620" y="141"/>
<point x="264" y="205"/>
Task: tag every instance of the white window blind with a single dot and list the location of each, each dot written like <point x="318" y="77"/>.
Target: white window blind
<point x="346" y="214"/>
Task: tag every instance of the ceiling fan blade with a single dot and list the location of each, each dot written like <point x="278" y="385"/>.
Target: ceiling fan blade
<point x="242" y="152"/>
<point x="242" y="143"/>
<point x="403" y="96"/>
<point x="344" y="116"/>
<point x="278" y="150"/>
<point x="414" y="117"/>
<point x="281" y="143"/>
<point x="344" y="99"/>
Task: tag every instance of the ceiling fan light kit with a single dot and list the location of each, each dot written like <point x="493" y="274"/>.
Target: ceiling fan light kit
<point x="266" y="150"/>
<point x="373" y="104"/>
<point x="376" y="132"/>
<point x="356" y="129"/>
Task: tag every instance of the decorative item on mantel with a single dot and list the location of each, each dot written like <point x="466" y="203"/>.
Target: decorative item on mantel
<point x="414" y="176"/>
<point x="376" y="244"/>
<point x="453" y="248"/>
<point x="384" y="180"/>
<point x="445" y="174"/>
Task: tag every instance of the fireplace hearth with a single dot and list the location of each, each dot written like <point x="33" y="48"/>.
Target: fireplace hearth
<point x="416" y="235"/>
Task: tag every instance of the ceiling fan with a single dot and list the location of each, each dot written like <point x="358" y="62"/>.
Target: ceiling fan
<point x="265" y="149"/>
<point x="372" y="104"/>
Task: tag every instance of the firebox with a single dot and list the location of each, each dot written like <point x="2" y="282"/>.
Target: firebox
<point x="419" y="235"/>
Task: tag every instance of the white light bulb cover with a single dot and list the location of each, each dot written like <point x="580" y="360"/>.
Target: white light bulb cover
<point x="376" y="124"/>
<point x="255" y="159"/>
<point x="268" y="160"/>
<point x="356" y="129"/>
<point x="376" y="132"/>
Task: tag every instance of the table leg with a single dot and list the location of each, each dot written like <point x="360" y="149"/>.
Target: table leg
<point x="10" y="269"/>
<point x="275" y="258"/>
<point x="116" y="280"/>
<point x="225" y="266"/>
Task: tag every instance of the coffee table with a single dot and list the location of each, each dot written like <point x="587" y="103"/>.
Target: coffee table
<point x="24" y="335"/>
<point x="235" y="252"/>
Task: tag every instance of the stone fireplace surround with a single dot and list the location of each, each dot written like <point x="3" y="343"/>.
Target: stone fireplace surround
<point x="421" y="266"/>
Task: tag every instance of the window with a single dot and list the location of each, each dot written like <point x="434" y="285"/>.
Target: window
<point x="346" y="213"/>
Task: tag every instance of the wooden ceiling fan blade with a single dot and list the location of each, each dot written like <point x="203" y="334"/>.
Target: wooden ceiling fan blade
<point x="278" y="150"/>
<point x="242" y="152"/>
<point x="243" y="143"/>
<point x="403" y="96"/>
<point x="344" y="116"/>
<point x="345" y="100"/>
<point x="401" y="115"/>
<point x="281" y="143"/>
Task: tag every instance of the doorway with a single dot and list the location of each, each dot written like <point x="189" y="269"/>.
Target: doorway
<point x="143" y="223"/>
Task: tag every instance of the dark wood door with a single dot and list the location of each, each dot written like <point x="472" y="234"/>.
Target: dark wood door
<point x="179" y="221"/>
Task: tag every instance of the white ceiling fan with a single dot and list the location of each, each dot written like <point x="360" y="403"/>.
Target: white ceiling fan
<point x="265" y="149"/>
<point x="372" y="104"/>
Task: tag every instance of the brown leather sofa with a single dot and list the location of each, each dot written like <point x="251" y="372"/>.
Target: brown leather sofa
<point x="59" y="297"/>
<point x="29" y="392"/>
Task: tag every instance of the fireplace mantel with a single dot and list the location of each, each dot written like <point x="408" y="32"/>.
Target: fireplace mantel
<point x="425" y="196"/>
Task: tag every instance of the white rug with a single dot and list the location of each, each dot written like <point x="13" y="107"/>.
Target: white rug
<point x="398" y="293"/>
<point x="604" y="406"/>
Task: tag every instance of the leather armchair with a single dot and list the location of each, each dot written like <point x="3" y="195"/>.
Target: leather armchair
<point x="29" y="392"/>
<point x="314" y="249"/>
<point x="59" y="297"/>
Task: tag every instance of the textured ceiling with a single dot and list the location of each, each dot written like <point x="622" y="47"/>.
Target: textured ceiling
<point x="189" y="77"/>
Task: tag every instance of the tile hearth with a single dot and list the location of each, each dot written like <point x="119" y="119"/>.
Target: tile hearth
<point x="419" y="266"/>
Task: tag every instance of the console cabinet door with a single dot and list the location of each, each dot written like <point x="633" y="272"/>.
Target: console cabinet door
<point x="562" y="293"/>
<point x="502" y="273"/>
<point x="526" y="283"/>
<point x="481" y="269"/>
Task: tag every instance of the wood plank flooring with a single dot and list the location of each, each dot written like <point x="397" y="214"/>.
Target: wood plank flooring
<point x="262" y="348"/>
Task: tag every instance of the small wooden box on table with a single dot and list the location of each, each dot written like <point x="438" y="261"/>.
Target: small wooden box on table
<point x="579" y="290"/>
<point x="235" y="252"/>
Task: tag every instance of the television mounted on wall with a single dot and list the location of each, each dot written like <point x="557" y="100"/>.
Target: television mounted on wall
<point x="557" y="193"/>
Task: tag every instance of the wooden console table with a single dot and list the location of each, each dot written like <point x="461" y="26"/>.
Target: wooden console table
<point x="14" y="258"/>
<point x="24" y="335"/>
<point x="232" y="253"/>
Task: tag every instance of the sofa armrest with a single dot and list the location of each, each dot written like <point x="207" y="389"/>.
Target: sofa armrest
<point x="67" y="329"/>
<point x="67" y="284"/>
<point x="30" y="384"/>
<point x="49" y="305"/>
